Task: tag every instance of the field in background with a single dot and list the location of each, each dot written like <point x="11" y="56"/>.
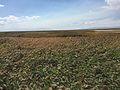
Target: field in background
<point x="60" y="60"/>
<point x="58" y="33"/>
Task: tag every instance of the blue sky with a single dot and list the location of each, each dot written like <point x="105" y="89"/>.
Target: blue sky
<point x="58" y="14"/>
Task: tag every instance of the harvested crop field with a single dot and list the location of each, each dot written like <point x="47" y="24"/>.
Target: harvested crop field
<point x="86" y="61"/>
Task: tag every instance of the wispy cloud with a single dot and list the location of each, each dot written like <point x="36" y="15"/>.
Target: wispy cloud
<point x="112" y="4"/>
<point x="2" y="5"/>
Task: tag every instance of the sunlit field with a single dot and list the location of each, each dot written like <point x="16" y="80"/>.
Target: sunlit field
<point x="62" y="60"/>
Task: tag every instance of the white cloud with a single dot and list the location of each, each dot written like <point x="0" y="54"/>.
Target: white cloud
<point x="32" y="22"/>
<point x="2" y="22"/>
<point x="10" y="19"/>
<point x="2" y="5"/>
<point x="37" y="22"/>
<point x="7" y="20"/>
<point x="112" y="4"/>
<point x="29" y="17"/>
<point x="13" y="22"/>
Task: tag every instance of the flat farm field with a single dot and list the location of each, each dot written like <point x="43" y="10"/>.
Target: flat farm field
<point x="60" y="60"/>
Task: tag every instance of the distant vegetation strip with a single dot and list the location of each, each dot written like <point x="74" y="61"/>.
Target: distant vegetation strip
<point x="59" y="33"/>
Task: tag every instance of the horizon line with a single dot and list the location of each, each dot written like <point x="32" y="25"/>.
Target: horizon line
<point x="50" y="30"/>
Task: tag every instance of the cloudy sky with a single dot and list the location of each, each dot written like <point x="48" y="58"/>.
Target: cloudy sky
<point x="58" y="14"/>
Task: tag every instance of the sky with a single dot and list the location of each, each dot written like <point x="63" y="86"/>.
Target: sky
<point x="23" y="15"/>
